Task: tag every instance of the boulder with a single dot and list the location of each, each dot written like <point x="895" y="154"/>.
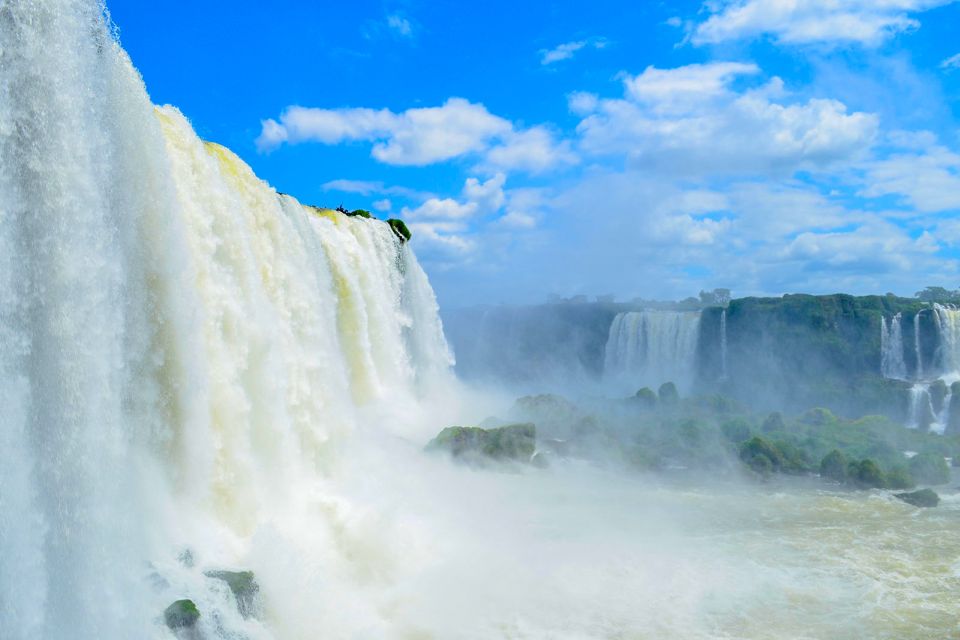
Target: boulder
<point x="921" y="498"/>
<point x="668" y="394"/>
<point x="646" y="398"/>
<point x="244" y="587"/>
<point x="182" y="614"/>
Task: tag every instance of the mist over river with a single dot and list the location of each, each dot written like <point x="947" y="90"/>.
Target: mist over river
<point x="221" y="408"/>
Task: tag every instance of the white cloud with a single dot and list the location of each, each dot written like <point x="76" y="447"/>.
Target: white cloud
<point x="478" y="198"/>
<point x="400" y="25"/>
<point x="691" y="120"/>
<point x="534" y="150"/>
<point x="567" y="50"/>
<point x="867" y="22"/>
<point x="414" y="137"/>
<point x="953" y="62"/>
<point x="422" y="136"/>
<point x="370" y="187"/>
<point x="382" y="205"/>
<point x="926" y="179"/>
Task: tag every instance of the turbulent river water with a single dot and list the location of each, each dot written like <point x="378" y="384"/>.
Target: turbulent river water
<point x="198" y="373"/>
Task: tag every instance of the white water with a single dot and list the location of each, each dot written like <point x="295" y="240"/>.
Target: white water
<point x="723" y="344"/>
<point x="892" y="364"/>
<point x="945" y="366"/>
<point x="648" y="348"/>
<point x="182" y="351"/>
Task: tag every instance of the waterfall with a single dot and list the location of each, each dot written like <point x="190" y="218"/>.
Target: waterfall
<point x="892" y="364"/>
<point x="948" y="333"/>
<point x="182" y="350"/>
<point x="648" y="348"/>
<point x="723" y="344"/>
<point x="916" y="347"/>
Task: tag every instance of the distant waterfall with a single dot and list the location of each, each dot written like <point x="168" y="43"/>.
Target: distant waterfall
<point x="948" y="328"/>
<point x="892" y="364"/>
<point x="648" y="348"/>
<point x="723" y="344"/>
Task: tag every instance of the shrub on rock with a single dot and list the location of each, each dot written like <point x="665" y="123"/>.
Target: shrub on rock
<point x="921" y="498"/>
<point x="929" y="468"/>
<point x="182" y="614"/>
<point x="515" y="442"/>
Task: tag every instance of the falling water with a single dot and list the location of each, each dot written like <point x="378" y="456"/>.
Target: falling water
<point x="723" y="344"/>
<point x="647" y="348"/>
<point x="180" y="346"/>
<point x="892" y="363"/>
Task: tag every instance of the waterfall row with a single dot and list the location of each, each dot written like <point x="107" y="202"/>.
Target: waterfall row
<point x="182" y="350"/>
<point x="648" y="348"/>
<point x="932" y="377"/>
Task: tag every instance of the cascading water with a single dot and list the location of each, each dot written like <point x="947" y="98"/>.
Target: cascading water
<point x="648" y="348"/>
<point x="892" y="364"/>
<point x="723" y="344"/>
<point x="182" y="350"/>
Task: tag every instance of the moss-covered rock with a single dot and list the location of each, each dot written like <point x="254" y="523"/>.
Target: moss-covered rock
<point x="399" y="227"/>
<point x="182" y="614"/>
<point x="921" y="498"/>
<point x="646" y="398"/>
<point x="834" y="466"/>
<point x="244" y="587"/>
<point x="668" y="394"/>
<point x="515" y="442"/>
<point x="929" y="468"/>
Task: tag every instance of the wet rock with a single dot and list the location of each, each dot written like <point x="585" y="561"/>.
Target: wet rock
<point x="244" y="587"/>
<point x="182" y="614"/>
<point x="921" y="498"/>
<point x="668" y="394"/>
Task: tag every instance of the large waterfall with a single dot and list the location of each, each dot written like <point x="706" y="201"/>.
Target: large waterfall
<point x="648" y="348"/>
<point x="183" y="350"/>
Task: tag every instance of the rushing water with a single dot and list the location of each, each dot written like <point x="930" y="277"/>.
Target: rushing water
<point x="648" y="348"/>
<point x="198" y="373"/>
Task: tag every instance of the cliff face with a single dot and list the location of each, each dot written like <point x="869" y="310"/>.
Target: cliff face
<point x="801" y="350"/>
<point x="790" y="353"/>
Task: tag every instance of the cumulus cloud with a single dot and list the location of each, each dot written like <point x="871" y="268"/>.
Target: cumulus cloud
<point x="372" y="187"/>
<point x="400" y="25"/>
<point x="866" y="22"/>
<point x="693" y="120"/>
<point x="927" y="179"/>
<point x="422" y="136"/>
<point x="478" y="198"/>
<point x="567" y="50"/>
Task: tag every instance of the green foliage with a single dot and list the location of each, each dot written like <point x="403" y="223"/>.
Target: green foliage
<point x="818" y="417"/>
<point x="516" y="442"/>
<point x="182" y="614"/>
<point x="866" y="474"/>
<point x="834" y="466"/>
<point x="773" y="422"/>
<point x="362" y="213"/>
<point x="938" y="294"/>
<point x="929" y="468"/>
<point x="736" y="430"/>
<point x="761" y="455"/>
<point x="899" y="478"/>
<point x="399" y="227"/>
<point x="921" y="498"/>
<point x="668" y="394"/>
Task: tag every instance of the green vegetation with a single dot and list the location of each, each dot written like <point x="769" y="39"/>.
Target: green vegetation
<point x="834" y="466"/>
<point x="182" y="614"/>
<point x="929" y="468"/>
<point x="515" y="442"/>
<point x="646" y="398"/>
<point x="399" y="227"/>
<point x="361" y="213"/>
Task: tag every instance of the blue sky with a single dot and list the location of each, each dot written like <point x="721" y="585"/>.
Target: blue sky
<point x="630" y="148"/>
